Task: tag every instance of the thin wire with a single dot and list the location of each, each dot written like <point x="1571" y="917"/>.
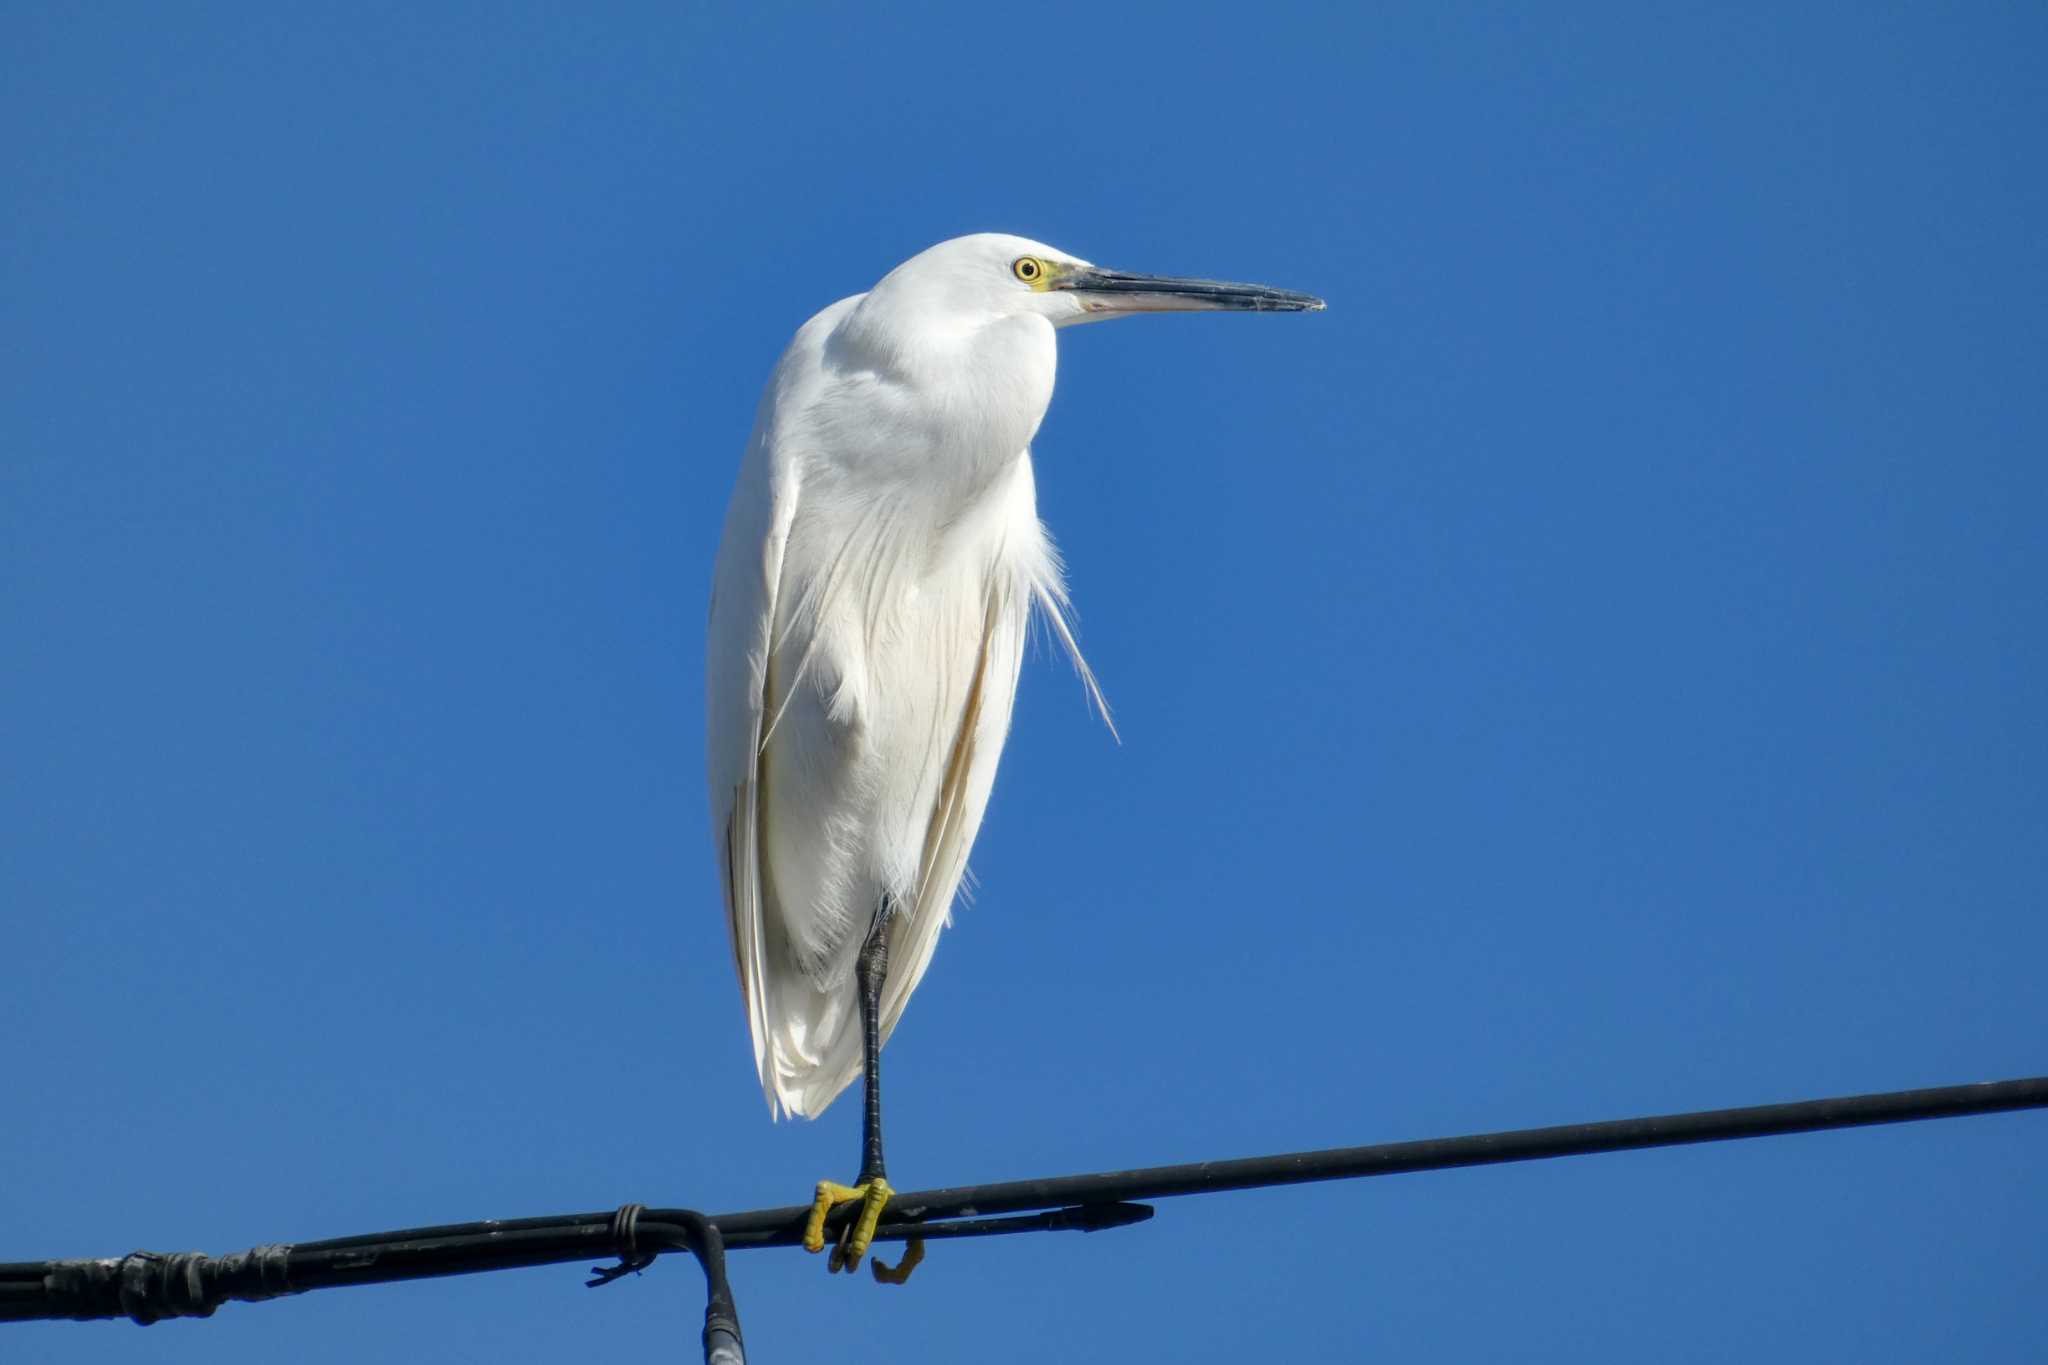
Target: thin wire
<point x="773" y="1227"/>
<point x="147" y="1286"/>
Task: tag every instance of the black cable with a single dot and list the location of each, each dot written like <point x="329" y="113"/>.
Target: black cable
<point x="149" y="1286"/>
<point x="784" y="1227"/>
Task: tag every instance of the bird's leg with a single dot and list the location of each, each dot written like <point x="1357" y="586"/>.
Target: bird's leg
<point x="871" y="969"/>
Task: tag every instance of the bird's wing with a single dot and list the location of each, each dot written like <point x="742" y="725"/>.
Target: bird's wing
<point x="1029" y="580"/>
<point x="969" y="775"/>
<point x="743" y="602"/>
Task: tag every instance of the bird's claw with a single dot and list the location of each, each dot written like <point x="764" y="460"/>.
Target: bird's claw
<point x="874" y="1196"/>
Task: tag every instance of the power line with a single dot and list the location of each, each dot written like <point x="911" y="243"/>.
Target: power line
<point x="149" y="1286"/>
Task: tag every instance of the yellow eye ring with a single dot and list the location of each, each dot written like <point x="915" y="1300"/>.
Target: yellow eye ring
<point x="1028" y="269"/>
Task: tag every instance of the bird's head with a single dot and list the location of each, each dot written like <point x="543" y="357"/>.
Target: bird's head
<point x="991" y="275"/>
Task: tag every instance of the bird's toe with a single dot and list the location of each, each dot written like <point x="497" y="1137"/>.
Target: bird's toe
<point x="872" y="1195"/>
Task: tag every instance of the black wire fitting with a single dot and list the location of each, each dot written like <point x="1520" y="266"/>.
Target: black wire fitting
<point x="149" y="1286"/>
<point x="681" y="1230"/>
<point x="626" y="1234"/>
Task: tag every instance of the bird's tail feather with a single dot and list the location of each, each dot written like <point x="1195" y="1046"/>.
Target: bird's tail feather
<point x="814" y="1048"/>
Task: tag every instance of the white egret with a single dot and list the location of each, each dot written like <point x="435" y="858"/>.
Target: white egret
<point x="881" y="558"/>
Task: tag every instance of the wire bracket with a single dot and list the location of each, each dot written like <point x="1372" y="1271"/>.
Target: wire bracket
<point x="626" y="1237"/>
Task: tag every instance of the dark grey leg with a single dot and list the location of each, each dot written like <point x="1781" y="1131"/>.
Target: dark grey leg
<point x="871" y="1189"/>
<point x="871" y="969"/>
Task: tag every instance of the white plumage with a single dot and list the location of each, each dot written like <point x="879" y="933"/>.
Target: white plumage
<point x="881" y="558"/>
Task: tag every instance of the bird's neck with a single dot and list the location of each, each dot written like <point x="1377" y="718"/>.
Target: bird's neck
<point x="947" y="407"/>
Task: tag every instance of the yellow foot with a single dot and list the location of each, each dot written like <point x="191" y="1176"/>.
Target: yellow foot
<point x="913" y="1256"/>
<point x="874" y="1196"/>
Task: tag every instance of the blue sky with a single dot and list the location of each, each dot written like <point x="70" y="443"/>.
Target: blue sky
<point x="1594" y="669"/>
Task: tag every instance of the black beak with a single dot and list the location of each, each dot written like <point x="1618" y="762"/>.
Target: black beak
<point x="1114" y="291"/>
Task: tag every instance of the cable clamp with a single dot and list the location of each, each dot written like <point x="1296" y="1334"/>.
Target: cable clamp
<point x="626" y="1239"/>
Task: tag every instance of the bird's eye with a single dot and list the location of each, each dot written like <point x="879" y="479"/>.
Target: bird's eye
<point x="1028" y="269"/>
